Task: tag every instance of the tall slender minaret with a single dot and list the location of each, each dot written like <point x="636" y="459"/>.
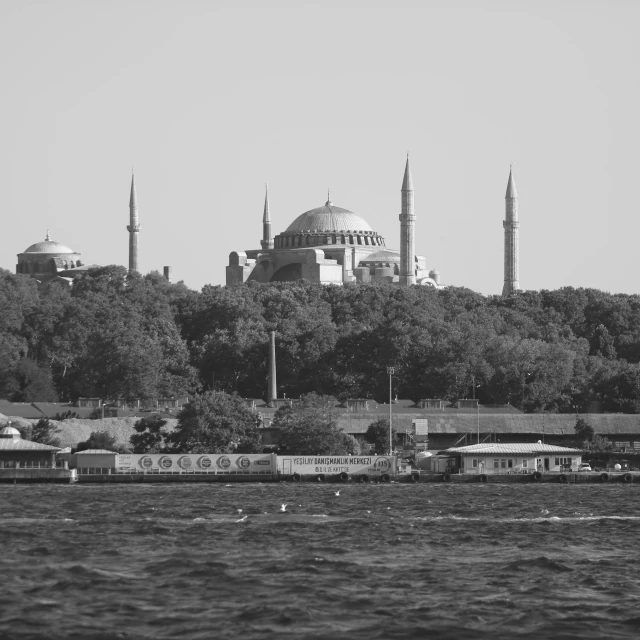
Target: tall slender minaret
<point x="267" y="240"/>
<point x="407" y="231"/>
<point x="511" y="239"/>
<point x="133" y="228"/>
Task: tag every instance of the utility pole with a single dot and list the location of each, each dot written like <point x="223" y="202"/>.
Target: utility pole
<point x="390" y="371"/>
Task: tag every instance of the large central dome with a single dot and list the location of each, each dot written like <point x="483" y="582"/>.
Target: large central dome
<point x="328" y="218"/>
<point x="48" y="246"/>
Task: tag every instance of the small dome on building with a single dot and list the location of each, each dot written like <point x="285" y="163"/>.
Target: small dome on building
<point x="10" y="432"/>
<point x="329" y="218"/>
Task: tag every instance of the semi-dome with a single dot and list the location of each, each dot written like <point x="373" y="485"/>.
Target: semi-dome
<point x="328" y="218"/>
<point x="384" y="255"/>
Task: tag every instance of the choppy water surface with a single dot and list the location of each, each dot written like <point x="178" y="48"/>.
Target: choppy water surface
<point x="376" y="561"/>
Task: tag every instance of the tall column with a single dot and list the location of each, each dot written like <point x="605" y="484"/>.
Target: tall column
<point x="407" y="231"/>
<point x="133" y="228"/>
<point x="511" y="239"/>
<point x="267" y="240"/>
<point x="272" y="394"/>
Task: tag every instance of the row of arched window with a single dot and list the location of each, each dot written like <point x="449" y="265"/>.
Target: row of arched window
<point x="283" y="241"/>
<point x="48" y="266"/>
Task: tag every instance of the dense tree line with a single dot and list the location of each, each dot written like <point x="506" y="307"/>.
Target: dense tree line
<point x="113" y="335"/>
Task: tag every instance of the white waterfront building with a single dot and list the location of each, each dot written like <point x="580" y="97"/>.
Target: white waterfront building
<point x="503" y="458"/>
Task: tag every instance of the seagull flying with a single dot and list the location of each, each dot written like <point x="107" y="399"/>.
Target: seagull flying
<point x="242" y="519"/>
<point x="283" y="508"/>
<point x="338" y="492"/>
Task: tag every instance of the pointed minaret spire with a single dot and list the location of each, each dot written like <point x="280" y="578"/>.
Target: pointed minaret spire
<point x="267" y="240"/>
<point x="511" y="226"/>
<point x="407" y="230"/>
<point x="134" y="227"/>
<point x="407" y="183"/>
<point x="512" y="192"/>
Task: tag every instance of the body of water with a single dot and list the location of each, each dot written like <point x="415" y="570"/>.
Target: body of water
<point x="376" y="561"/>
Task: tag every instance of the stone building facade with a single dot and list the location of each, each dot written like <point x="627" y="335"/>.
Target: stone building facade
<point x="49" y="260"/>
<point x="332" y="245"/>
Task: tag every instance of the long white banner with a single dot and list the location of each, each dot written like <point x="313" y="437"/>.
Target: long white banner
<point x="197" y="463"/>
<point x="321" y="465"/>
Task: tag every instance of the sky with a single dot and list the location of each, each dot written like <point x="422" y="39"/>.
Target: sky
<point x="211" y="100"/>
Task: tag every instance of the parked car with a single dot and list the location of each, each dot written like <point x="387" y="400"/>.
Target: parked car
<point x="584" y="466"/>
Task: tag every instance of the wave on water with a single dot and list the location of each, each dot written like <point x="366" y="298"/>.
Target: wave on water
<point x="497" y="520"/>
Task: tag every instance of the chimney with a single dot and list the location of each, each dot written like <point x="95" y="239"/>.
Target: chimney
<point x="272" y="394"/>
<point x="167" y="274"/>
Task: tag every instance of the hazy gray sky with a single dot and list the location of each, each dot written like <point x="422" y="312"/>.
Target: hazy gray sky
<point x="211" y="99"/>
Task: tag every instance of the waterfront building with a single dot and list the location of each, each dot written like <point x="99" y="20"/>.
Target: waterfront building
<point x="18" y="453"/>
<point x="332" y="245"/>
<point x="491" y="458"/>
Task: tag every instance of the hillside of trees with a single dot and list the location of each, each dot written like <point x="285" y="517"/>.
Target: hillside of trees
<point x="113" y="335"/>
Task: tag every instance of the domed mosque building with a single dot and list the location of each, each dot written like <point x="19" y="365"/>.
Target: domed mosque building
<point x="49" y="260"/>
<point x="332" y="245"/>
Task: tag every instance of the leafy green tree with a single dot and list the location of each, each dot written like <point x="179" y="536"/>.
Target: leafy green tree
<point x="310" y="426"/>
<point x="45" y="432"/>
<point x="66" y="415"/>
<point x="150" y="436"/>
<point x="216" y="422"/>
<point x="32" y="383"/>
<point x="598" y="444"/>
<point x="377" y="434"/>
<point x="100" y="440"/>
<point x="583" y="429"/>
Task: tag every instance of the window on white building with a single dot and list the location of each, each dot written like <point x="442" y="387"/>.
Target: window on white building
<point x="524" y="464"/>
<point x="474" y="463"/>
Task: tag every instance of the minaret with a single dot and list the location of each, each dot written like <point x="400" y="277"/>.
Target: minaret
<point x="133" y="228"/>
<point x="511" y="239"/>
<point x="407" y="231"/>
<point x="267" y="240"/>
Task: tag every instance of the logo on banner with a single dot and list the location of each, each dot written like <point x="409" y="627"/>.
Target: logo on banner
<point x="165" y="462"/>
<point x="185" y="462"/>
<point x="204" y="462"/>
<point x="243" y="462"/>
<point x="223" y="462"/>
<point x="146" y="462"/>
<point x="383" y="464"/>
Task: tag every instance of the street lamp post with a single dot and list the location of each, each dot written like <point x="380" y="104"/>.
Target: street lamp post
<point x="390" y="371"/>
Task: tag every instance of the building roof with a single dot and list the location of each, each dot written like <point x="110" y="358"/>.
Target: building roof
<point x="19" y="409"/>
<point x="48" y="246"/>
<point x="95" y="451"/>
<point x="384" y="255"/>
<point x="329" y="218"/>
<point x="18" y="444"/>
<point x="511" y="448"/>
